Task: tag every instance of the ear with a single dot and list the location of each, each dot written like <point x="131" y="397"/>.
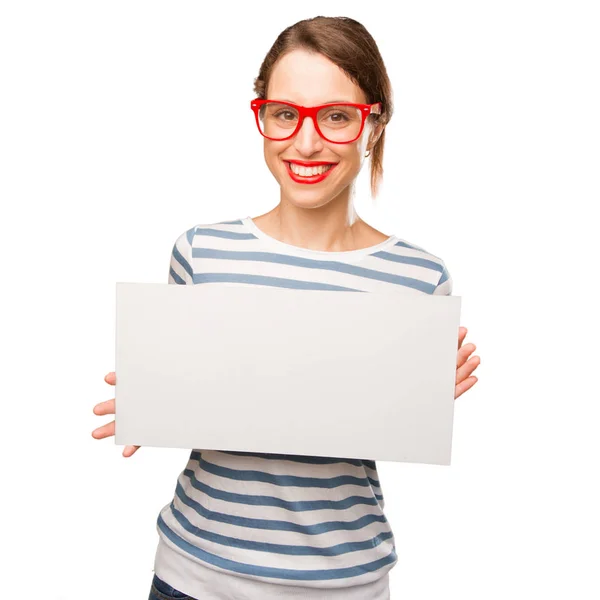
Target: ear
<point x="375" y="135"/>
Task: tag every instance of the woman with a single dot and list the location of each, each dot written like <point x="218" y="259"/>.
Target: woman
<point x="251" y="525"/>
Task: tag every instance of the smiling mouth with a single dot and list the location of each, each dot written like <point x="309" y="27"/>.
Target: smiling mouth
<point x="302" y="171"/>
<point x="309" y="175"/>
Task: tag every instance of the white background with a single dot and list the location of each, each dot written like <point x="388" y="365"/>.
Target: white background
<point x="108" y="151"/>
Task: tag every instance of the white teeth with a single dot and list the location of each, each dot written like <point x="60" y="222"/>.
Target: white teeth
<point x="309" y="171"/>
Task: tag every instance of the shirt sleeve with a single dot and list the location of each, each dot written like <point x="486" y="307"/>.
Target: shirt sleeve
<point x="444" y="286"/>
<point x="180" y="268"/>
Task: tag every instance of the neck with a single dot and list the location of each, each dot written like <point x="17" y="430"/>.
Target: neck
<point x="332" y="227"/>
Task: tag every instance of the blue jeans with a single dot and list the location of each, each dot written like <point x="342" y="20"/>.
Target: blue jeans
<point x="161" y="590"/>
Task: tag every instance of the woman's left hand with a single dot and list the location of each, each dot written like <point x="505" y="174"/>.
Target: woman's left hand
<point x="464" y="367"/>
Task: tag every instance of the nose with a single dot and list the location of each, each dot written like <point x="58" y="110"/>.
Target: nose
<point x="308" y="141"/>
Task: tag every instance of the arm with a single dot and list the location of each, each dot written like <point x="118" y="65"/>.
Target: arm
<point x="180" y="267"/>
<point x="464" y="365"/>
<point x="444" y="285"/>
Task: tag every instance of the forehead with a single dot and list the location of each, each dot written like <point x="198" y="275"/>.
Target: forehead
<point x="308" y="79"/>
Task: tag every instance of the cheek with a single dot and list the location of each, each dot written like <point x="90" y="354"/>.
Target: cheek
<point x="272" y="153"/>
<point x="272" y="161"/>
<point x="351" y="162"/>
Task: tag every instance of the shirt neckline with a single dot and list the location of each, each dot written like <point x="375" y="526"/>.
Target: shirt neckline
<point x="249" y="223"/>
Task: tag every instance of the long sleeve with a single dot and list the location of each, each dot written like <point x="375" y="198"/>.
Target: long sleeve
<point x="180" y="268"/>
<point x="444" y="286"/>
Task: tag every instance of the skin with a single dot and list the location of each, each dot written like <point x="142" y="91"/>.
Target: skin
<point x="320" y="216"/>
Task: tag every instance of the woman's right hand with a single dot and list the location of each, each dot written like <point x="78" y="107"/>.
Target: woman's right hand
<point x="108" y="408"/>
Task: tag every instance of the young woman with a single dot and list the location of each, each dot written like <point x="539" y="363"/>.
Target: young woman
<point x="266" y="526"/>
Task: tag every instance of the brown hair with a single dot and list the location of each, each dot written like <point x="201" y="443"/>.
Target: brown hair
<point x="351" y="47"/>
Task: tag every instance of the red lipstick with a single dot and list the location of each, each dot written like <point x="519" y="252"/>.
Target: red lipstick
<point x="312" y="178"/>
<point x="310" y="163"/>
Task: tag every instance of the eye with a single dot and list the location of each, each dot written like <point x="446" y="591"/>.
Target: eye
<point x="338" y="117"/>
<point x="285" y="115"/>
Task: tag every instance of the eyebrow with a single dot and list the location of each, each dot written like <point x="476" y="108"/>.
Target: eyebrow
<point x="326" y="102"/>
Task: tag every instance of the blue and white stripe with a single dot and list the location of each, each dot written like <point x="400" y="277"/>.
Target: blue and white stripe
<point x="293" y="520"/>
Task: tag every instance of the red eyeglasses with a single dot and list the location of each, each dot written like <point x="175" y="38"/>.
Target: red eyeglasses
<point x="337" y="122"/>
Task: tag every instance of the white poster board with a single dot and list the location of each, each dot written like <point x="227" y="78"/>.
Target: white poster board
<point x="308" y="372"/>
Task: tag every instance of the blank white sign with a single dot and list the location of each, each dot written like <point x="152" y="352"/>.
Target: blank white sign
<point x="320" y="373"/>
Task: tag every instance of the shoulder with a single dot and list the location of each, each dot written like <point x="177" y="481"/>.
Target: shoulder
<point x="230" y="228"/>
<point x="407" y="247"/>
<point x="186" y="238"/>
<point x="425" y="258"/>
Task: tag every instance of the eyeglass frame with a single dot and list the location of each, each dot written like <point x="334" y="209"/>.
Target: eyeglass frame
<point x="311" y="111"/>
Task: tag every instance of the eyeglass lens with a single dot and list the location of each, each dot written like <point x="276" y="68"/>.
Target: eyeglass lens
<point x="337" y="123"/>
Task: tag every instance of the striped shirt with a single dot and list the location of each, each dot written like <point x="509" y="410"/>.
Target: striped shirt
<point x="256" y="525"/>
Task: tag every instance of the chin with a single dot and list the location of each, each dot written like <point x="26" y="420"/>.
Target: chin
<point x="306" y="199"/>
<point x="311" y="197"/>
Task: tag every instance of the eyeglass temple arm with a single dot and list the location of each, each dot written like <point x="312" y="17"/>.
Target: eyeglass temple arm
<point x="376" y="108"/>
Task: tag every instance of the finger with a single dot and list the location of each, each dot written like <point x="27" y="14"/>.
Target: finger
<point x="463" y="386"/>
<point x="129" y="450"/>
<point x="463" y="372"/>
<point x="104" y="431"/>
<point x="105" y="408"/>
<point x="463" y="354"/>
<point x="111" y="378"/>
<point x="462" y="332"/>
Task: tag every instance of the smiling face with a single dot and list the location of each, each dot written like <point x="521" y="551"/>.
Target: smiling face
<point x="311" y="79"/>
